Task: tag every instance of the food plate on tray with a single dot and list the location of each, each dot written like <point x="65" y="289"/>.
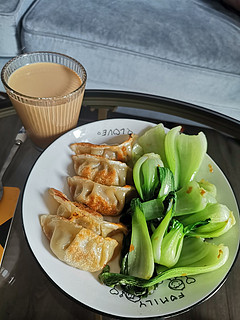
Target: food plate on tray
<point x="172" y="296"/>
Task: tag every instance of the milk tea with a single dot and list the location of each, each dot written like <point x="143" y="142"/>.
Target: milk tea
<point x="46" y="119"/>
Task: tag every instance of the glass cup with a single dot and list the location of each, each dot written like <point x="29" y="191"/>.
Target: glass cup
<point x="46" y="89"/>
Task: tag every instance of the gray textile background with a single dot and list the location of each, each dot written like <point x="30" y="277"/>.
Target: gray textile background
<point x="187" y="50"/>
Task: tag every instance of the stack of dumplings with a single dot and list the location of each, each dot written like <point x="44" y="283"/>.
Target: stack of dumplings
<point x="103" y="178"/>
<point x="78" y="235"/>
<point x="77" y="232"/>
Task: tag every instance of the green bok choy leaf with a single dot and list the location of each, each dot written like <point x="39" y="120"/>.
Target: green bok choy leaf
<point x="161" y="230"/>
<point x="172" y="153"/>
<point x="146" y="176"/>
<point x="172" y="242"/>
<point x="220" y="220"/>
<point x="184" y="154"/>
<point x="164" y="182"/>
<point x="153" y="209"/>
<point x="191" y="151"/>
<point x="204" y="257"/>
<point x="171" y="246"/>
<point x="151" y="141"/>
<point x="193" y="198"/>
<point x="139" y="260"/>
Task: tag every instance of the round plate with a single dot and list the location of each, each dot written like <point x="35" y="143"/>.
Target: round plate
<point x="172" y="296"/>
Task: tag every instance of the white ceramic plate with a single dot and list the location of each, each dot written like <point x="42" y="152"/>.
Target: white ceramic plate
<point x="172" y="296"/>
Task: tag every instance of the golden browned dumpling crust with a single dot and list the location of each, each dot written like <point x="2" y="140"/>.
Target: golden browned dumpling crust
<point x="121" y="152"/>
<point x="84" y="216"/>
<point x="76" y="245"/>
<point x="108" y="200"/>
<point x="102" y="170"/>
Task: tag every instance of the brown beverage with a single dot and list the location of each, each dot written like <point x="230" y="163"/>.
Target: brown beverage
<point x="44" y="80"/>
<point x="47" y="97"/>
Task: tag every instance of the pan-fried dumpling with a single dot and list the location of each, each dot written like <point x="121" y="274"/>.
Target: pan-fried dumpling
<point x="77" y="246"/>
<point x="102" y="170"/>
<point x="121" y="152"/>
<point x="108" y="200"/>
<point x="84" y="216"/>
<point x="71" y="207"/>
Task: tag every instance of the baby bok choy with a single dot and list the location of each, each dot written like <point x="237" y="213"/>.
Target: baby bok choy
<point x="197" y="257"/>
<point x="146" y="176"/>
<point x="194" y="197"/>
<point x="156" y="208"/>
<point x="172" y="243"/>
<point x="151" y="141"/>
<point x="138" y="261"/>
<point x="184" y="154"/>
<point x="181" y="153"/>
<point x="218" y="217"/>
<point x="173" y="215"/>
<point x="161" y="230"/>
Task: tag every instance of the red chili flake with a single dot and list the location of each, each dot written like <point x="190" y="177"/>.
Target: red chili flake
<point x="220" y="253"/>
<point x="202" y="192"/>
<point x="189" y="190"/>
<point x="210" y="168"/>
<point x="131" y="248"/>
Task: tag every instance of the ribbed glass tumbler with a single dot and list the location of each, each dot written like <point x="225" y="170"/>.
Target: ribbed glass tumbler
<point x="46" y="89"/>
